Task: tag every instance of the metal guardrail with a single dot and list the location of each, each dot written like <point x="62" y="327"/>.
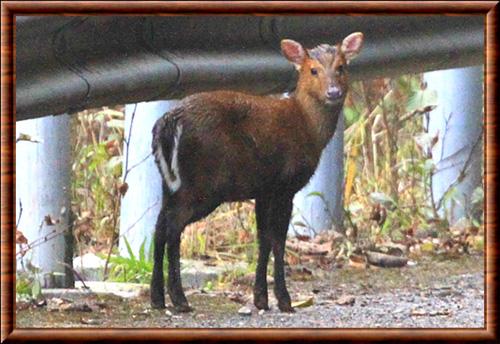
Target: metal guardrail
<point x="65" y="64"/>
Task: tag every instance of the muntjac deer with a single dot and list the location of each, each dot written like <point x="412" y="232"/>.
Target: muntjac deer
<point x="228" y="146"/>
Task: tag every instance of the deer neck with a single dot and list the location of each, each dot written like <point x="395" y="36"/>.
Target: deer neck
<point x="322" y="118"/>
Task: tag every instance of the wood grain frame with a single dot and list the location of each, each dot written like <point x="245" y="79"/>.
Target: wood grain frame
<point x="11" y="8"/>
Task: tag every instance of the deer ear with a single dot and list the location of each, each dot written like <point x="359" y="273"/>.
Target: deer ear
<point x="351" y="45"/>
<point x="293" y="51"/>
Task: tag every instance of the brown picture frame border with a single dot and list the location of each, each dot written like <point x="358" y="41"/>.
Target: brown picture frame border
<point x="11" y="8"/>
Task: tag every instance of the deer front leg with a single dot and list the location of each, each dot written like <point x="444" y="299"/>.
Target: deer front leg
<point x="174" y="284"/>
<point x="279" y="218"/>
<point x="260" y="297"/>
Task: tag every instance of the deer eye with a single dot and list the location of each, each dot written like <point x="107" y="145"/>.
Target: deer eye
<point x="314" y="71"/>
<point x="340" y="70"/>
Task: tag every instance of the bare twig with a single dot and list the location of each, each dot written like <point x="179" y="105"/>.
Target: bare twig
<point x="75" y="273"/>
<point x="20" y="213"/>
<point x="355" y="230"/>
<point x="451" y="157"/>
<point x="136" y="164"/>
<point x="463" y="171"/>
<point x="392" y="137"/>
<point x="41" y="240"/>
<point x="127" y="143"/>
<point x="139" y="218"/>
<point x="441" y="169"/>
<point x="21" y="249"/>
<point x="446" y="128"/>
<point x="415" y="112"/>
<point x="413" y="179"/>
<point x="240" y="219"/>
<point x="437" y="205"/>
<point x="431" y="192"/>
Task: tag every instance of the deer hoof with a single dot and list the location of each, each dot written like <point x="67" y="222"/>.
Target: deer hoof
<point x="183" y="308"/>
<point x="158" y="304"/>
<point x="286" y="307"/>
<point x="261" y="303"/>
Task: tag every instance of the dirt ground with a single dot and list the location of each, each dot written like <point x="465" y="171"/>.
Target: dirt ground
<point x="435" y="293"/>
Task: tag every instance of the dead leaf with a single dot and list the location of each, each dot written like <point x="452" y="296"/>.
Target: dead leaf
<point x="303" y="237"/>
<point x="301" y="274"/>
<point x="418" y="312"/>
<point x="345" y="300"/>
<point x="303" y="303"/>
<point x="308" y="248"/>
<point x="245" y="311"/>
<point x="26" y="137"/>
<point x="113" y="148"/>
<point x="122" y="188"/>
<point x="88" y="321"/>
<point x="440" y="312"/>
<point x="427" y="246"/>
<point x="48" y="220"/>
<point x="75" y="307"/>
<point x="244" y="236"/>
<point x="20" y="238"/>
<point x="54" y="304"/>
<point x="292" y="259"/>
<point x="357" y="262"/>
<point x="238" y="297"/>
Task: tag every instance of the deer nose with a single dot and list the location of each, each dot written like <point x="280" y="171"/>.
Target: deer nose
<point x="333" y="92"/>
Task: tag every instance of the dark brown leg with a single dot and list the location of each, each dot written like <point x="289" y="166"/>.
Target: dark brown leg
<point x="174" y="271"/>
<point x="260" y="297"/>
<point x="279" y="218"/>
<point x="157" y="280"/>
<point x="177" y="219"/>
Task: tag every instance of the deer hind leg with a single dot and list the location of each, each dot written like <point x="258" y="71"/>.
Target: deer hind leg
<point x="168" y="231"/>
<point x="157" y="280"/>
<point x="178" y="218"/>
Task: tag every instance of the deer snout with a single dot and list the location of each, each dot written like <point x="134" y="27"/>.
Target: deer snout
<point x="334" y="93"/>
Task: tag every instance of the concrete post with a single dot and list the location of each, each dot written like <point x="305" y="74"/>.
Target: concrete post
<point x="141" y="204"/>
<point x="459" y="120"/>
<point x="322" y="209"/>
<point x="43" y="179"/>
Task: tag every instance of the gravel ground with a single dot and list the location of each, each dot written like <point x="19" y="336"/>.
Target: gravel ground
<point x="430" y="295"/>
<point x="459" y="303"/>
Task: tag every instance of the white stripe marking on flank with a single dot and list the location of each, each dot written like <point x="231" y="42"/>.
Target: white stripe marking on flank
<point x="173" y="184"/>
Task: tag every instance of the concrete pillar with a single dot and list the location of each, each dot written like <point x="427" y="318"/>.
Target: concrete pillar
<point x="141" y="204"/>
<point x="459" y="120"/>
<point x="318" y="205"/>
<point x="43" y="180"/>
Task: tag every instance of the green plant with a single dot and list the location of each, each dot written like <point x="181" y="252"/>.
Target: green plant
<point x="28" y="284"/>
<point x="476" y="211"/>
<point x="134" y="269"/>
<point x="24" y="285"/>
